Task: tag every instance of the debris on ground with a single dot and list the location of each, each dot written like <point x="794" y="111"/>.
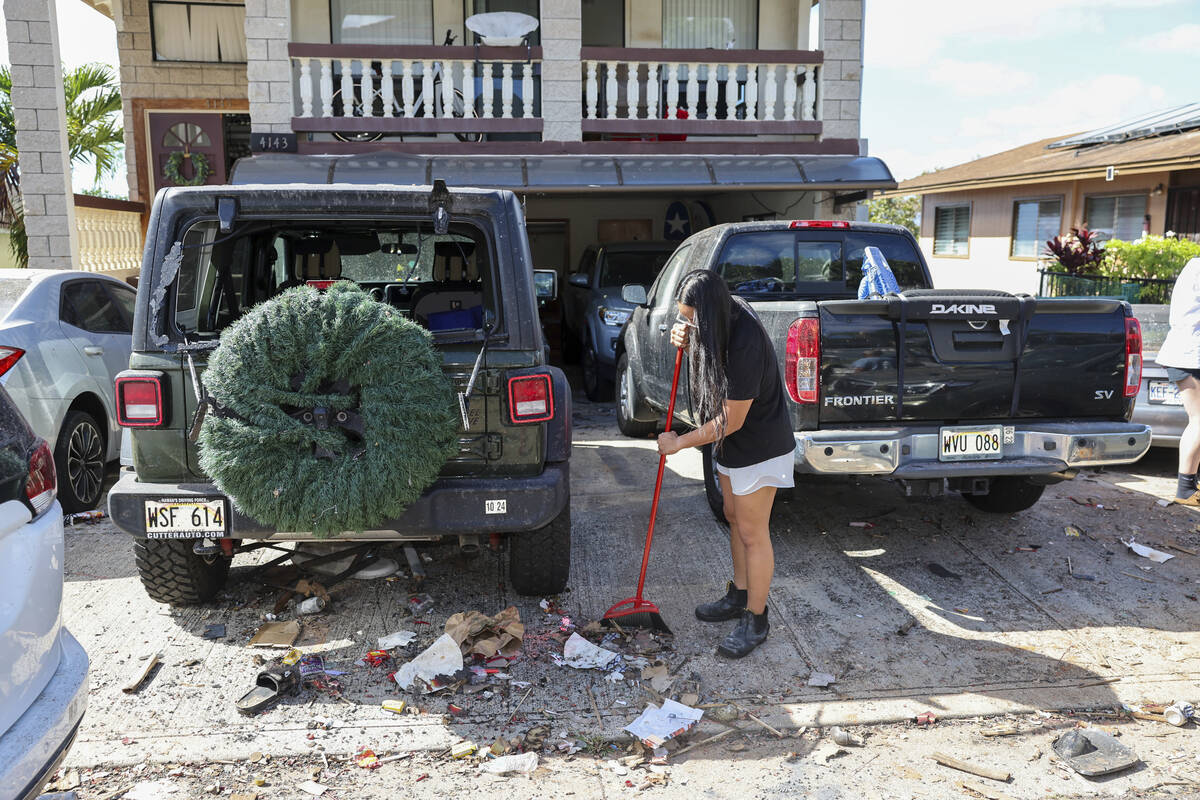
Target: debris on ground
<point x="656" y="724"/>
<point x="1179" y="713"/>
<point x="442" y="658"/>
<point x="312" y="787"/>
<point x="821" y="679"/>
<point x="1157" y="556"/>
<point x="524" y="763"/>
<point x="84" y="518"/>
<point x="397" y="639"/>
<point x="276" y="634"/>
<point x="906" y="627"/>
<point x="394" y="706"/>
<point x="313" y="605"/>
<point x="1093" y="752"/>
<point x="151" y="790"/>
<point x="974" y="769"/>
<point x="140" y="678"/>
<point x="579" y="653"/>
<point x="844" y="738"/>
<point x="659" y="677"/>
<point x="420" y="604"/>
<point x="214" y="631"/>
<point x="484" y="636"/>
<point x="463" y="749"/>
<point x="925" y="718"/>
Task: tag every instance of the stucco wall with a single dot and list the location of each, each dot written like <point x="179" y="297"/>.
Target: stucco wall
<point x="989" y="264"/>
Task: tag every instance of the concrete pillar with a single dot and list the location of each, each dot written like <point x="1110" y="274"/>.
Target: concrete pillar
<point x="562" y="75"/>
<point x="268" y="68"/>
<point x="841" y="81"/>
<point x="41" y="121"/>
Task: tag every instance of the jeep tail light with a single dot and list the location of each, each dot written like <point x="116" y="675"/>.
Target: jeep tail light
<point x="9" y="356"/>
<point x="139" y="401"/>
<point x="802" y="370"/>
<point x="42" y="484"/>
<point x="1133" y="356"/>
<point x="530" y="398"/>
<point x="819" y="223"/>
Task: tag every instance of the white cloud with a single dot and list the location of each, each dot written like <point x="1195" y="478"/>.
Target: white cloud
<point x="978" y="77"/>
<point x="1179" y="39"/>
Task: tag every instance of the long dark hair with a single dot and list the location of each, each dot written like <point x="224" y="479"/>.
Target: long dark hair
<point x="708" y="344"/>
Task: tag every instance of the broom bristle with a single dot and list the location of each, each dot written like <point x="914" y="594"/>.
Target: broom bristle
<point x="642" y="619"/>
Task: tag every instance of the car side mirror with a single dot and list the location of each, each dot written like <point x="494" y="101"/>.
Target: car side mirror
<point x="579" y="279"/>
<point x="634" y="294"/>
<point x="545" y="284"/>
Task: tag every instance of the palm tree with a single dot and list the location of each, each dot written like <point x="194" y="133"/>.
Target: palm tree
<point x="94" y="135"/>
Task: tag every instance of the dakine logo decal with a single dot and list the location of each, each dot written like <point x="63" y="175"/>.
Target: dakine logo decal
<point x="962" y="308"/>
<point x="862" y="400"/>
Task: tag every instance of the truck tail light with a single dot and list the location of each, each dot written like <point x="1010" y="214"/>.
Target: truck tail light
<point x="9" y="356"/>
<point x="42" y="484"/>
<point x="802" y="369"/>
<point x="1133" y="356"/>
<point x="530" y="398"/>
<point x="139" y="401"/>
<point x="819" y="223"/>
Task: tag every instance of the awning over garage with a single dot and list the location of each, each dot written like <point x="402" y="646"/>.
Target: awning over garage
<point x="565" y="174"/>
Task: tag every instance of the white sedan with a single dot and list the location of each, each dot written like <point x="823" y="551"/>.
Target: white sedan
<point x="64" y="336"/>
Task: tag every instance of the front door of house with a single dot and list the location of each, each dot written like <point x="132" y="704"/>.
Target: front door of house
<point x="186" y="149"/>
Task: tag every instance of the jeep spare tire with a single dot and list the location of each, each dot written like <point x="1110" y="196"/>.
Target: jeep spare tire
<point x="329" y="412"/>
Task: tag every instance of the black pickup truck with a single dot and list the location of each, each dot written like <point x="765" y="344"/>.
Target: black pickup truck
<point x="986" y="393"/>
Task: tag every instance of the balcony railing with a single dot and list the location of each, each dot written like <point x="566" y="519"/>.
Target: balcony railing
<point x="110" y="235"/>
<point x="379" y="89"/>
<point x="714" y="92"/>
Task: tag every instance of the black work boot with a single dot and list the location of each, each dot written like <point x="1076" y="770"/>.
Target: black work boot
<point x="751" y="631"/>
<point x="730" y="606"/>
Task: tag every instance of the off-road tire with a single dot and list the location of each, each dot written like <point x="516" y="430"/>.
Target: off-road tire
<point x="597" y="387"/>
<point x="80" y="429"/>
<point x="712" y="485"/>
<point x="627" y="424"/>
<point x="539" y="562"/>
<point x="1007" y="495"/>
<point x="173" y="574"/>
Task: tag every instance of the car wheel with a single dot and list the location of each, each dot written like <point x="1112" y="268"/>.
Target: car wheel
<point x="712" y="485"/>
<point x="628" y="401"/>
<point x="174" y="574"/>
<point x="79" y="459"/>
<point x="595" y="386"/>
<point x="539" y="562"/>
<point x="570" y="346"/>
<point x="1006" y="495"/>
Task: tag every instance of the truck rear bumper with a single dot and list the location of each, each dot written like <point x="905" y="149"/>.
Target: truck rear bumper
<point x="451" y="506"/>
<point x="911" y="452"/>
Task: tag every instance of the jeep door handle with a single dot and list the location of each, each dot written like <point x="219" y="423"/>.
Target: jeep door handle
<point x="93" y="350"/>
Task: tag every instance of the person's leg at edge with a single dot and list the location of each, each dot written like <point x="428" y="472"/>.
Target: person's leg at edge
<point x="733" y="603"/>
<point x="1189" y="440"/>
<point x="753" y="514"/>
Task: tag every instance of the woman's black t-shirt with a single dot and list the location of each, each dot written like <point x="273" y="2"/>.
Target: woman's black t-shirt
<point x="753" y="374"/>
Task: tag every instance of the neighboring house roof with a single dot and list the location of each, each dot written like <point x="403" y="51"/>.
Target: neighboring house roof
<point x="1037" y="163"/>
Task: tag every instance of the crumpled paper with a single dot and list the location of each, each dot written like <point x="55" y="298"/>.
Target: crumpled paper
<point x="441" y="658"/>
<point x="477" y="633"/>
<point x="657" y="725"/>
<point x="1157" y="556"/>
<point x="579" y="653"/>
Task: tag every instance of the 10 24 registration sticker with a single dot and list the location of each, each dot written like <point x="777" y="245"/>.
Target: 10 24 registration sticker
<point x="495" y="506"/>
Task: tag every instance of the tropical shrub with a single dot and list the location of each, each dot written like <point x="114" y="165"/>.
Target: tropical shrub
<point x="1148" y="257"/>
<point x="1077" y="253"/>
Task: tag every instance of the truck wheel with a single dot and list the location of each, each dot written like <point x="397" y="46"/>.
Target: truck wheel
<point x="1006" y="496"/>
<point x="628" y="401"/>
<point x="173" y="574"/>
<point x="595" y="386"/>
<point x="570" y="346"/>
<point x="712" y="485"/>
<point x="79" y="461"/>
<point x="539" y="562"/>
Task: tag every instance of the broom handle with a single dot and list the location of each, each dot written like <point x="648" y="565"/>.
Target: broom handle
<point x="662" y="464"/>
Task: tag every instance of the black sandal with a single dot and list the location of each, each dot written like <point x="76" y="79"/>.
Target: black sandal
<point x="269" y="687"/>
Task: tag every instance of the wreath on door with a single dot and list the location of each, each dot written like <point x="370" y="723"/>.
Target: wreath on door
<point x="201" y="169"/>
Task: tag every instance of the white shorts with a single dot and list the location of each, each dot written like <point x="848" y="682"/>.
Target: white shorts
<point x="777" y="472"/>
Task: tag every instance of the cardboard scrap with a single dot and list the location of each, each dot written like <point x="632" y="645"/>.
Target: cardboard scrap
<point x="477" y="633"/>
<point x="1157" y="556"/>
<point x="821" y="679"/>
<point x="579" y="653"/>
<point x="441" y="658"/>
<point x="276" y="634"/>
<point x="659" y="677"/>
<point x="312" y="787"/>
<point x="658" y="724"/>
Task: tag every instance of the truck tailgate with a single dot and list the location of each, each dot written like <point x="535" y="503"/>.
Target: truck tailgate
<point x="945" y="356"/>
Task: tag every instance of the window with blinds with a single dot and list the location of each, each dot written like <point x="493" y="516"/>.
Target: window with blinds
<point x="704" y="24"/>
<point x="1034" y="223"/>
<point x="951" y="228"/>
<point x="381" y="21"/>
<point x="1116" y="216"/>
<point x="212" y="32"/>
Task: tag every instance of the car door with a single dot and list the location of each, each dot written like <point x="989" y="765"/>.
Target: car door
<point x="97" y="316"/>
<point x="660" y="317"/>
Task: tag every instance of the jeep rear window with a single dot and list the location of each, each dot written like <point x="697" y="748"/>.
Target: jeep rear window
<point x="786" y="262"/>
<point x="631" y="266"/>
<point x="442" y="281"/>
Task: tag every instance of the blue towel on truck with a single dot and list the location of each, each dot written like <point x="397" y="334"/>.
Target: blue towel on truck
<point x="878" y="279"/>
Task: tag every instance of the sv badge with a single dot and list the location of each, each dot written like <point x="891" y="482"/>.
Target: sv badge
<point x="1103" y="394"/>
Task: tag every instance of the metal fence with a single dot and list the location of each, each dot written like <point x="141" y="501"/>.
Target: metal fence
<point x="1133" y="290"/>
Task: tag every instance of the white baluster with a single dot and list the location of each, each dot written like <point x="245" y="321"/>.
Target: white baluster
<point x="347" y="87"/>
<point x="710" y="93"/>
<point x="366" y="90"/>
<point x="387" y="89"/>
<point x="592" y="91"/>
<point x="326" y="87"/>
<point x="447" y="88"/>
<point x="789" y="92"/>
<point x="506" y="83"/>
<point x="632" y="98"/>
<point x="610" y="89"/>
<point x="731" y="91"/>
<point x="305" y="88"/>
<point x="427" y="89"/>
<point x="770" y="91"/>
<point x="673" y="90"/>
<point x="406" y="87"/>
<point x="489" y="92"/>
<point x="652" y="89"/>
<point x="527" y="91"/>
<point x="751" y="92"/>
<point x="693" y="90"/>
<point x="810" y="93"/>
<point x="468" y="88"/>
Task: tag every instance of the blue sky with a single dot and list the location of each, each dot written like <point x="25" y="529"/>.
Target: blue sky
<point x="946" y="81"/>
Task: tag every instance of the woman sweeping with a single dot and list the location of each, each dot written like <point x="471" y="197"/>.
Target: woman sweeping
<point x="1180" y="354"/>
<point x="736" y="386"/>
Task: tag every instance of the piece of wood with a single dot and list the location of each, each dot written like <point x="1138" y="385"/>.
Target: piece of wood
<point x="1139" y="577"/>
<point x="712" y="738"/>
<point x="985" y="791"/>
<point x="1003" y="730"/>
<point x="1182" y="549"/>
<point x="595" y="708"/>
<point x="1147" y="717"/>
<point x="778" y="734"/>
<point x="133" y="685"/>
<point x="518" y="708"/>
<point x="963" y="766"/>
